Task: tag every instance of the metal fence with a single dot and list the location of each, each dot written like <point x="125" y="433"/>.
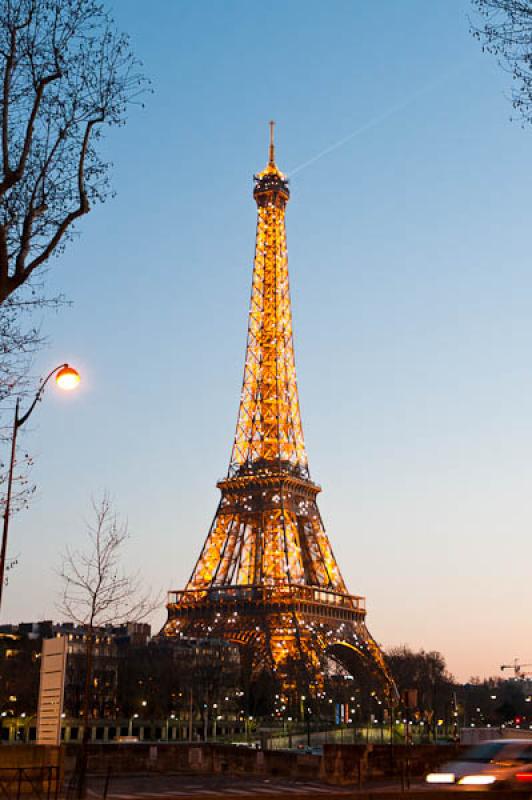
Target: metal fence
<point x="42" y="782"/>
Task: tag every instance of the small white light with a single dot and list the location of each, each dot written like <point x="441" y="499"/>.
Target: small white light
<point x="477" y="780"/>
<point x="440" y="777"/>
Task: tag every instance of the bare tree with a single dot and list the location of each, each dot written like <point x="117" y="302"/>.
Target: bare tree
<point x="18" y="343"/>
<point x="506" y="32"/>
<point x="20" y="339"/>
<point x="98" y="592"/>
<point x="65" y="73"/>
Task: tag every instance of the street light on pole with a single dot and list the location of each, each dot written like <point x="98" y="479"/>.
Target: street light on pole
<point x="67" y="378"/>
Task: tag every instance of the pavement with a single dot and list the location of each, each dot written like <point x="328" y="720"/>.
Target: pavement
<point x="144" y="787"/>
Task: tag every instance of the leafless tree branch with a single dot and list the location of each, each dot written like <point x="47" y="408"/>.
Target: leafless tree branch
<point x="66" y="74"/>
<point x="504" y="28"/>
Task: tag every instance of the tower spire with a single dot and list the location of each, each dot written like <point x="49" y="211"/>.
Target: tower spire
<point x="272" y="143"/>
<point x="269" y="430"/>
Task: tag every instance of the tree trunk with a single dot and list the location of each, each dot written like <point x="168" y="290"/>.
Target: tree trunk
<point x="87" y="694"/>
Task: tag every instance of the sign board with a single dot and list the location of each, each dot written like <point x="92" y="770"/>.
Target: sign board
<point x="51" y="690"/>
<point x="409" y="698"/>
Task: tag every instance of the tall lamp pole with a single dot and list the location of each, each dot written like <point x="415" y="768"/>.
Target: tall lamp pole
<point x="67" y="378"/>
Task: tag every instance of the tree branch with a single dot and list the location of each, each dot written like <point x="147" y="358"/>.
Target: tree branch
<point x="69" y="219"/>
<point x="5" y="109"/>
<point x="15" y="175"/>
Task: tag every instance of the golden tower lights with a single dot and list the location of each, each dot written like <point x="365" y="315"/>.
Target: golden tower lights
<point x="266" y="577"/>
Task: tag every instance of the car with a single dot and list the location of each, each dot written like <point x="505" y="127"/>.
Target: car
<point x="316" y="750"/>
<point x="496" y="763"/>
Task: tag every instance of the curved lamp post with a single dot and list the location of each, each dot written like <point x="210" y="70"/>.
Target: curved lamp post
<point x="67" y="378"/>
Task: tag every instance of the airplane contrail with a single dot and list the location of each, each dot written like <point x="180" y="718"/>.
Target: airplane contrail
<point x="372" y="123"/>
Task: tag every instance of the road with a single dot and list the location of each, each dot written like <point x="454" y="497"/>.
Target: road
<point x="210" y="787"/>
<point x="142" y="787"/>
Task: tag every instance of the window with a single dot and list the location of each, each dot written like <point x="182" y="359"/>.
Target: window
<point x="525" y="754"/>
<point x="484" y="753"/>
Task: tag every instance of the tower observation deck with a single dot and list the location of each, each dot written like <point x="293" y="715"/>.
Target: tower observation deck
<point x="267" y="578"/>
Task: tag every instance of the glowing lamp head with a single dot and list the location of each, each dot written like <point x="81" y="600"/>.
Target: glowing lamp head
<point x="67" y="378"/>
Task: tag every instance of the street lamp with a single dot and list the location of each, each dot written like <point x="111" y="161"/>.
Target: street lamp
<point x="67" y="378"/>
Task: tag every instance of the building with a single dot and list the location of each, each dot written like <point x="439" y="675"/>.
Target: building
<point x="152" y="689"/>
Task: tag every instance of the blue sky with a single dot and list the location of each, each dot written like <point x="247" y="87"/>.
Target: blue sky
<point x="411" y="286"/>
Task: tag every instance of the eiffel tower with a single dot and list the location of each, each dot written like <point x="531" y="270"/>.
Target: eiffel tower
<point x="267" y="578"/>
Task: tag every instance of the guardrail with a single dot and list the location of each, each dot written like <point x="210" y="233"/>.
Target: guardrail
<point x="42" y="782"/>
<point x="259" y="595"/>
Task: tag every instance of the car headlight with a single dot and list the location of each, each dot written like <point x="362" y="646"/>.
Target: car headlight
<point x="477" y="780"/>
<point x="440" y="777"/>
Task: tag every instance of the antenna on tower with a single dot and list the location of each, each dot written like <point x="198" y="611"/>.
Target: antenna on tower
<point x="272" y="145"/>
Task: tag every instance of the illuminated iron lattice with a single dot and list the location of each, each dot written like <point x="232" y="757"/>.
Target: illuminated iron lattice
<point x="267" y="578"/>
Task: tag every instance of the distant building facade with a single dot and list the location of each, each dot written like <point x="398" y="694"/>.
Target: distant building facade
<point x="190" y="683"/>
<point x="20" y="648"/>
